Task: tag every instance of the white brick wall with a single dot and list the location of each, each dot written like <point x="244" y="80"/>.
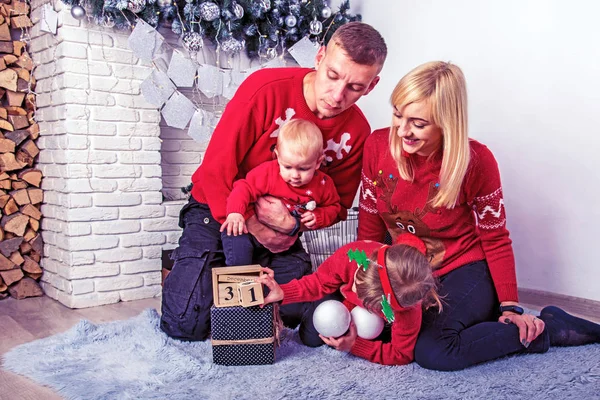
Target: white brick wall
<point x="105" y="222"/>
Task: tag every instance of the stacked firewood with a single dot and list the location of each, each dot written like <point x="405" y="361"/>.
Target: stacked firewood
<point x="20" y="193"/>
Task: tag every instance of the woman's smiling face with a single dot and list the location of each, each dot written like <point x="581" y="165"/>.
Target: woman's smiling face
<point x="419" y="135"/>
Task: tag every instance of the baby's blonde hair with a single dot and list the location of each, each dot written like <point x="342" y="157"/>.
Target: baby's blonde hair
<point x="301" y="137"/>
<point x="410" y="277"/>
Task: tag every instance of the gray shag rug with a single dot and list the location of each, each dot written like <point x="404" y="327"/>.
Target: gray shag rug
<point x="134" y="359"/>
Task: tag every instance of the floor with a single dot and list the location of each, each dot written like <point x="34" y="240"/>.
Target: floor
<point x="23" y="321"/>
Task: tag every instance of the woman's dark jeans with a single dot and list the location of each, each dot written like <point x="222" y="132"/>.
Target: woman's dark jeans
<point x="467" y="332"/>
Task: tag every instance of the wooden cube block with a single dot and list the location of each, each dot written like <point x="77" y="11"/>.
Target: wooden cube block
<point x="250" y="293"/>
<point x="228" y="295"/>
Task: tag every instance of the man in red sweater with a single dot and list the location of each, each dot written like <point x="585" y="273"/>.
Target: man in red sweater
<point x="346" y="69"/>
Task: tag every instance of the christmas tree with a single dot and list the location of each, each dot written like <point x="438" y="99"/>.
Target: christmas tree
<point x="263" y="28"/>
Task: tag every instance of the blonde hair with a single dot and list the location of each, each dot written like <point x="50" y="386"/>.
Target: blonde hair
<point x="410" y="277"/>
<point x="301" y="137"/>
<point x="442" y="85"/>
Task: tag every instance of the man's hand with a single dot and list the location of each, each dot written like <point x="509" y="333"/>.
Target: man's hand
<point x="234" y="224"/>
<point x="342" y="343"/>
<point x="273" y="213"/>
<point x="274" y="241"/>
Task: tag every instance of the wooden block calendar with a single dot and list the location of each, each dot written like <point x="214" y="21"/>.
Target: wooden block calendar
<point x="235" y="286"/>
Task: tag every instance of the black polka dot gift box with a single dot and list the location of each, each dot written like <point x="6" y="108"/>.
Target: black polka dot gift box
<point x="243" y="335"/>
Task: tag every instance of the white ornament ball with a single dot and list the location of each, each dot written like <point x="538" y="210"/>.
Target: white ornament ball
<point x="290" y="21"/>
<point x="331" y="318"/>
<point x="78" y="12"/>
<point x="271" y="53"/>
<point x="326" y="12"/>
<point x="315" y="27"/>
<point x="368" y="325"/>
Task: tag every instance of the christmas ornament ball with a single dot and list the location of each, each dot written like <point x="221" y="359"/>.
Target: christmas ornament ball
<point x="326" y="12"/>
<point x="315" y="27"/>
<point x="192" y="41"/>
<point x="331" y="318"/>
<point x="209" y="11"/>
<point x="136" y="6"/>
<point x="368" y="325"/>
<point x="238" y="11"/>
<point x="232" y="45"/>
<point x="78" y="12"/>
<point x="290" y="21"/>
<point x="271" y="53"/>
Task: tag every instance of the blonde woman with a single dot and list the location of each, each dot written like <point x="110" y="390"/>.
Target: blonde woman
<point x="426" y="177"/>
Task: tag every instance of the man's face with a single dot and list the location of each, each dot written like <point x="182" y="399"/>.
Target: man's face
<point x="339" y="81"/>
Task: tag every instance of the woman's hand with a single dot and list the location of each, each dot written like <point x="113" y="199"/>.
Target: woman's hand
<point x="529" y="326"/>
<point x="342" y="343"/>
<point x="268" y="279"/>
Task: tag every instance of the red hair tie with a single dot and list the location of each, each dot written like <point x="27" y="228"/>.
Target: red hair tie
<point x="409" y="239"/>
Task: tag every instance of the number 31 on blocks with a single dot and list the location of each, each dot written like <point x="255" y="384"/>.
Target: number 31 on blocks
<point x="235" y="286"/>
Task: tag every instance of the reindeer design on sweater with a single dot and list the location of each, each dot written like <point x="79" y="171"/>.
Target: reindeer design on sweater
<point x="406" y="221"/>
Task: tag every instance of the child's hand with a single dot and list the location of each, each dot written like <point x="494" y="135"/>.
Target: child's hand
<point x="235" y="224"/>
<point x="342" y="343"/>
<point x="268" y="279"/>
<point x="308" y="219"/>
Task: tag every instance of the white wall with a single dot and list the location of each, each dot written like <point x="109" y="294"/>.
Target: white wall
<point x="533" y="75"/>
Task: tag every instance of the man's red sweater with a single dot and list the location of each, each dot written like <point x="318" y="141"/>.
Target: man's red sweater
<point x="247" y="133"/>
<point x="337" y="273"/>
<point x="266" y="179"/>
<point x="475" y="229"/>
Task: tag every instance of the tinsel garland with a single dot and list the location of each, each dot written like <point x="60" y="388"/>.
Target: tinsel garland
<point x="262" y="27"/>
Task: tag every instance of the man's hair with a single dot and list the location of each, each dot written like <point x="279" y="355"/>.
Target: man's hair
<point x="410" y="277"/>
<point x="442" y="86"/>
<point x="363" y="44"/>
<point x="302" y="137"/>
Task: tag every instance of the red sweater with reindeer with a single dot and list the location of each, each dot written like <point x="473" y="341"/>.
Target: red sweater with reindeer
<point x="247" y="133"/>
<point x="337" y="273"/>
<point x="475" y="229"/>
<point x="265" y="179"/>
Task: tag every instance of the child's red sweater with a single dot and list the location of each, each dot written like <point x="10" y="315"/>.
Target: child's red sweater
<point x="266" y="179"/>
<point x="337" y="273"/>
<point x="247" y="133"/>
<point x="474" y="230"/>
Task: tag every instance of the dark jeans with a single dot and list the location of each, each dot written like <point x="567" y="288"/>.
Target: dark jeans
<point x="187" y="291"/>
<point x="467" y="332"/>
<point x="243" y="250"/>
